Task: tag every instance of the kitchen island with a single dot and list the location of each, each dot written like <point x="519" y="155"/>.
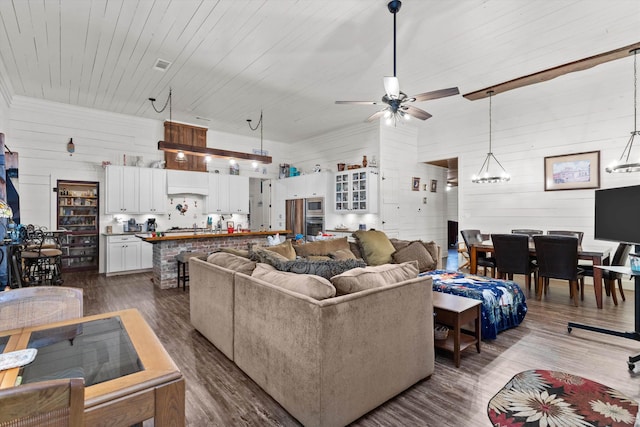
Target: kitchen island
<point x="170" y="244"/>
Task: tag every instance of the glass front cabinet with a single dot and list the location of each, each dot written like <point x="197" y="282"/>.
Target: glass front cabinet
<point x="78" y="215"/>
<point x="356" y="191"/>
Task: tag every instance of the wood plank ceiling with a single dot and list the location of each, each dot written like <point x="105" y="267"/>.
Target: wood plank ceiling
<point x="290" y="58"/>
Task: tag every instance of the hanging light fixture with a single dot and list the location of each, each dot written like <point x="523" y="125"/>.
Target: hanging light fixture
<point x="254" y="164"/>
<point x="623" y="164"/>
<point x="484" y="176"/>
<point x="180" y="156"/>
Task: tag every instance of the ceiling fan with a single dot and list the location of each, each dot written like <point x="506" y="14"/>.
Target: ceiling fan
<point x="395" y="100"/>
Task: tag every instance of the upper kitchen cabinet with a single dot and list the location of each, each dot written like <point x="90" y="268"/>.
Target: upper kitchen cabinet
<point x="122" y="189"/>
<point x="227" y="194"/>
<point x="305" y="186"/>
<point x="180" y="133"/>
<point x="153" y="190"/>
<point x="356" y="191"/>
<point x="238" y="194"/>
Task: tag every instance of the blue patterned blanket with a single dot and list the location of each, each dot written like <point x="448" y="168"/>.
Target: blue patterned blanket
<point x="503" y="302"/>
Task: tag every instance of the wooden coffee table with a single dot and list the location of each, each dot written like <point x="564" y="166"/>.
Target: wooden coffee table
<point x="456" y="311"/>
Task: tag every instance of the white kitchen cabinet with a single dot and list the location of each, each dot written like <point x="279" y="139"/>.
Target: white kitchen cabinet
<point x="153" y="190"/>
<point x="306" y="186"/>
<point x="146" y="255"/>
<point x="123" y="253"/>
<point x="217" y="202"/>
<point x="122" y="189"/>
<point x="356" y="191"/>
<point x="238" y="194"/>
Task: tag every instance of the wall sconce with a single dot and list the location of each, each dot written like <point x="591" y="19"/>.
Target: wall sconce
<point x="71" y="148"/>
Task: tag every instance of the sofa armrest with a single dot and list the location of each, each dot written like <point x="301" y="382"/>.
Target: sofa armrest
<point x="211" y="290"/>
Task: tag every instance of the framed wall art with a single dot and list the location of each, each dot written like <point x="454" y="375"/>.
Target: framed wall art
<point x="415" y="186"/>
<point x="434" y="185"/>
<point x="572" y="171"/>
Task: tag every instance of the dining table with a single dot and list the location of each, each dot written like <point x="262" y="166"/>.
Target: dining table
<point x="597" y="257"/>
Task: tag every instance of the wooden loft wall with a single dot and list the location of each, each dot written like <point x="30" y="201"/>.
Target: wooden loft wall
<point x="181" y="133"/>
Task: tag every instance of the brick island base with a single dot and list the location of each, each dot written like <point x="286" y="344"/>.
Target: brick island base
<point x="165" y="249"/>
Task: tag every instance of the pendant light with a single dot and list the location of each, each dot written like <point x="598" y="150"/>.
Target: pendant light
<point x="484" y="176"/>
<point x="180" y="156"/>
<point x="623" y="164"/>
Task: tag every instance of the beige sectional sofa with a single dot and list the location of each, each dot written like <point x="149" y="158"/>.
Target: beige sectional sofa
<point x="328" y="361"/>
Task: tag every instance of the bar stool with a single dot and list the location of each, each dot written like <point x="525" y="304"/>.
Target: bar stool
<point x="182" y="259"/>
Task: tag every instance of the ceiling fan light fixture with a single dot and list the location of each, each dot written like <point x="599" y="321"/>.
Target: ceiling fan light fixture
<point x="623" y="164"/>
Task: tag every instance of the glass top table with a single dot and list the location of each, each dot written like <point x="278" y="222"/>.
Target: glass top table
<point x="98" y="351"/>
<point x="129" y="376"/>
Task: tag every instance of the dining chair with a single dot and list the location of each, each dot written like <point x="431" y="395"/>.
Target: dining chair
<point x="578" y="234"/>
<point x="610" y="277"/>
<point x="471" y="237"/>
<point x="527" y="231"/>
<point x="557" y="258"/>
<point x="512" y="257"/>
<point x="38" y="305"/>
<point x="54" y="403"/>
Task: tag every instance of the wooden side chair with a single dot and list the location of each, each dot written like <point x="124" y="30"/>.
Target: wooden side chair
<point x="527" y="231"/>
<point x="557" y="258"/>
<point x="38" y="305"/>
<point x="55" y="403"/>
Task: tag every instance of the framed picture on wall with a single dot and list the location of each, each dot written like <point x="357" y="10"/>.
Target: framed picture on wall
<point x="434" y="185"/>
<point x="572" y="171"/>
<point x="416" y="184"/>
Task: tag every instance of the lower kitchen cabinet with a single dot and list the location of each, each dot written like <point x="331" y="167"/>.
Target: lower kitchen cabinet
<point x="127" y="253"/>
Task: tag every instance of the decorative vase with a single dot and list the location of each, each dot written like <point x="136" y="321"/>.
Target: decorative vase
<point x="364" y="161"/>
<point x="139" y="161"/>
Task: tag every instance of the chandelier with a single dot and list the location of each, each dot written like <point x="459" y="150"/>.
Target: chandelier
<point x="484" y="176"/>
<point x="623" y="164"/>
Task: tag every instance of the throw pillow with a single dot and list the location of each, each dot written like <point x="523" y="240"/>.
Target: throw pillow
<point x="415" y="251"/>
<point x="360" y="279"/>
<point x="285" y="249"/>
<point x="399" y="244"/>
<point x="323" y="268"/>
<point x="234" y="251"/>
<point x="232" y="262"/>
<point x="307" y="284"/>
<point x="432" y="247"/>
<point x="355" y="249"/>
<point x="342" y="254"/>
<point x="321" y="247"/>
<point x="375" y="247"/>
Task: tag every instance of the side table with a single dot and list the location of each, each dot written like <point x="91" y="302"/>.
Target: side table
<point x="455" y="311"/>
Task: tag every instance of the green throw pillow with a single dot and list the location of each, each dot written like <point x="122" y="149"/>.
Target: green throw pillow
<point x="375" y="247"/>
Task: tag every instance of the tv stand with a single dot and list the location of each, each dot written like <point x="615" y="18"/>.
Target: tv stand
<point x="633" y="335"/>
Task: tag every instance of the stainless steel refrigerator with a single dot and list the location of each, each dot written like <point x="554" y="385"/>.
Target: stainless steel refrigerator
<point x="295" y="215"/>
<point x="305" y="216"/>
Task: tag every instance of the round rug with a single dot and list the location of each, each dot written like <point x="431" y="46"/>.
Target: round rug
<point x="551" y="398"/>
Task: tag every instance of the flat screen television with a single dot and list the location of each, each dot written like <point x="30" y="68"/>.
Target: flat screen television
<point x="617" y="214"/>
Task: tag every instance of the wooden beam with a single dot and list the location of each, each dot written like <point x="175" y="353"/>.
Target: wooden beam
<point x="193" y="150"/>
<point x="552" y="73"/>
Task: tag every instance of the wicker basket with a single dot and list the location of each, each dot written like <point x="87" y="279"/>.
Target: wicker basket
<point x="440" y="332"/>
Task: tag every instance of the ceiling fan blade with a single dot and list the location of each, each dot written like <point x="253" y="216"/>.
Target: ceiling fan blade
<point x="358" y="102"/>
<point x="375" y="116"/>
<point x="416" y="112"/>
<point x="392" y="86"/>
<point x="442" y="93"/>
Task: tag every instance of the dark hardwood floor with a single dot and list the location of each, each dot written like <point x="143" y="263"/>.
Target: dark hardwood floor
<point x="220" y="394"/>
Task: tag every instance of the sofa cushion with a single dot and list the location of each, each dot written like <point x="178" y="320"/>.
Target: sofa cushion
<point x="307" y="284"/>
<point x="240" y="252"/>
<point x="326" y="268"/>
<point x="232" y="262"/>
<point x="432" y="247"/>
<point x="375" y="246"/>
<point x="360" y="279"/>
<point x="322" y="247"/>
<point x="342" y="254"/>
<point x="285" y="249"/>
<point x="415" y="251"/>
<point x="355" y="249"/>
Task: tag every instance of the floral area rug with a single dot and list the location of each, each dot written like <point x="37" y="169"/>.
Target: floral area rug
<point x="557" y="399"/>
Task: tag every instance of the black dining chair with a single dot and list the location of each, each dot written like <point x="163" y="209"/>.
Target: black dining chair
<point x="529" y="232"/>
<point x="578" y="234"/>
<point x="610" y="277"/>
<point x="474" y="237"/>
<point x="558" y="259"/>
<point x="512" y="257"/>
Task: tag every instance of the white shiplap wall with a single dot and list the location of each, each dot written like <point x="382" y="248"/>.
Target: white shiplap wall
<point x="39" y="131"/>
<point x="586" y="111"/>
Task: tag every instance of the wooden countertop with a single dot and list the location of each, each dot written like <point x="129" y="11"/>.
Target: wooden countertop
<point x="186" y="235"/>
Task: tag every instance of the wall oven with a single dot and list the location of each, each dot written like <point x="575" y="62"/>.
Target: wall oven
<point x="313" y="225"/>
<point x="314" y="207"/>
